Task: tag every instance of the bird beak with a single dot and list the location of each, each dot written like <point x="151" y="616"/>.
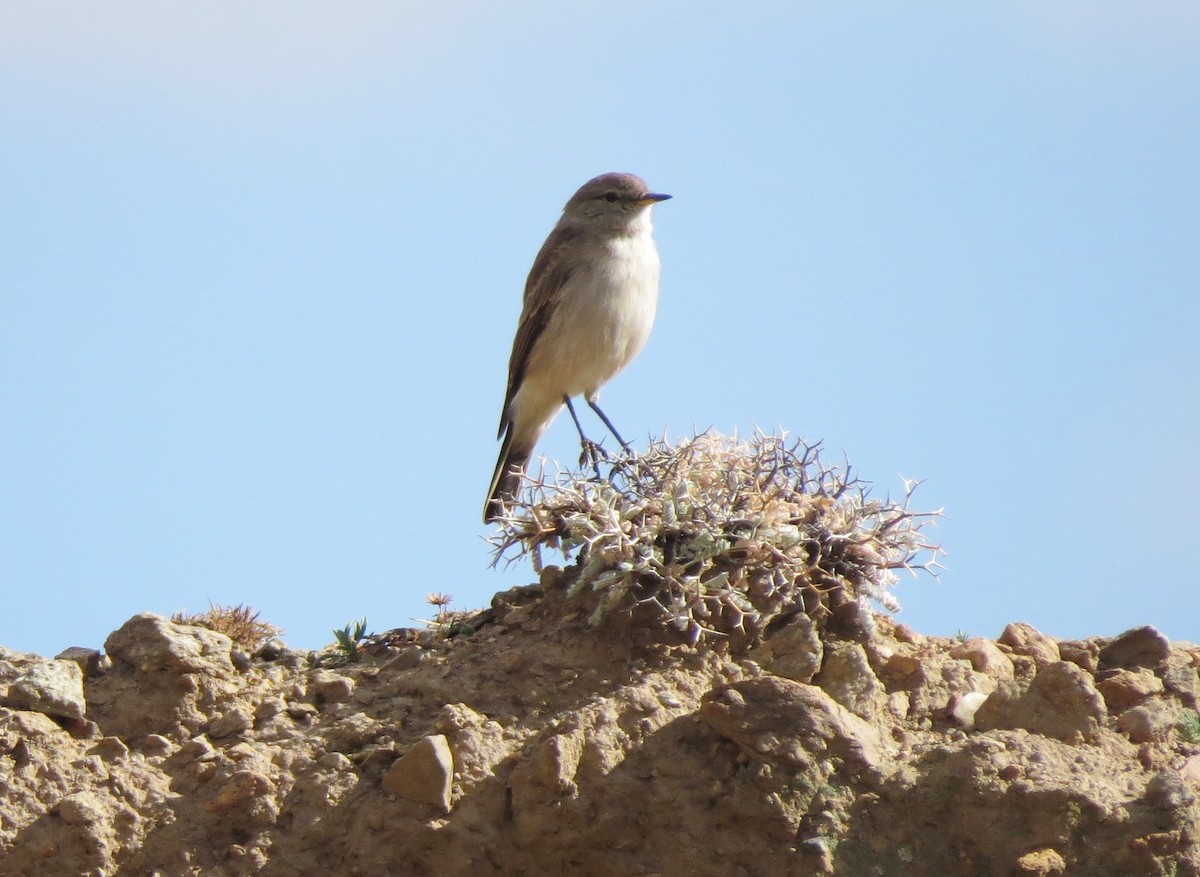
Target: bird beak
<point x="652" y="198"/>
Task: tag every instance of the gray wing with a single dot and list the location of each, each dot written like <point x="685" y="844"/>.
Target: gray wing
<point x="551" y="269"/>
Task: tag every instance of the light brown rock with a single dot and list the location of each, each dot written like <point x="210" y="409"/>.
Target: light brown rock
<point x="985" y="658"/>
<point x="1025" y="639"/>
<point x="1127" y="688"/>
<point x="1061" y="702"/>
<point x="54" y="688"/>
<point x="775" y="719"/>
<point x="424" y="774"/>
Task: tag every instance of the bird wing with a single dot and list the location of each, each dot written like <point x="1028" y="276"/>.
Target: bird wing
<point x="543" y="291"/>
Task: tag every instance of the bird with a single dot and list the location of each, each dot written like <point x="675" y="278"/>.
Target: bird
<point x="588" y="308"/>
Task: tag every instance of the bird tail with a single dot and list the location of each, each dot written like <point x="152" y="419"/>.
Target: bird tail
<point x="507" y="477"/>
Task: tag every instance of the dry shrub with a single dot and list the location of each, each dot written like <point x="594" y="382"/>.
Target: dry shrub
<point x="719" y="537"/>
<point x="239" y="623"/>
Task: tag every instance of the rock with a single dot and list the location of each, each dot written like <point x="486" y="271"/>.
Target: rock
<point x="235" y="721"/>
<point x="777" y="720"/>
<point x="271" y="650"/>
<point x="424" y="774"/>
<point x="1140" y="647"/>
<point x="244" y="787"/>
<point x="1024" y="639"/>
<point x="196" y="749"/>
<point x="1146" y="723"/>
<point x="53" y="688"/>
<point x="1060" y="702"/>
<point x="985" y="658"/>
<point x="1043" y="863"/>
<point x="331" y="687"/>
<point x="1128" y="688"/>
<point x="793" y="652"/>
<point x="91" y="661"/>
<point x="543" y="780"/>
<point x="1084" y="653"/>
<point x="149" y="643"/>
<point x="156" y="743"/>
<point x="1167" y="791"/>
<point x="269" y="708"/>
<point x="1180" y="677"/>
<point x="80" y="808"/>
<point x="846" y="676"/>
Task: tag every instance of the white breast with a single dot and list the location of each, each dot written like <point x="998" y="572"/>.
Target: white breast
<point x="604" y="317"/>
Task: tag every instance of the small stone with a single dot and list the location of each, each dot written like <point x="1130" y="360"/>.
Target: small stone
<point x="196" y="749"/>
<point x="335" y="761"/>
<point x="424" y="774"/>
<point x="1140" y="647"/>
<point x="235" y="721"/>
<point x="846" y="676"/>
<point x="269" y="708"/>
<point x="1127" y="688"/>
<point x="407" y="658"/>
<point x="1084" y="654"/>
<point x="80" y="808"/>
<point x="1167" y="791"/>
<point x="1043" y="863"/>
<point x="91" y="661"/>
<point x="794" y="651"/>
<point x="110" y="748"/>
<point x="331" y="687"/>
<point x="985" y="658"/>
<point x="302" y="712"/>
<point x="457" y="717"/>
<point x="244" y="786"/>
<point x="1144" y="723"/>
<point x="901" y="665"/>
<point x="1025" y="639"/>
<point x="511" y="660"/>
<point x="271" y="650"/>
<point x="156" y="743"/>
<point x="1179" y="675"/>
<point x="52" y="688"/>
<point x="240" y="660"/>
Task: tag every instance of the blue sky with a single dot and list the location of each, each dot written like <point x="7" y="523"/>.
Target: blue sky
<point x="260" y="267"/>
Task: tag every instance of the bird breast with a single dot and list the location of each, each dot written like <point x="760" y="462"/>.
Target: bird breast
<point x="603" y="317"/>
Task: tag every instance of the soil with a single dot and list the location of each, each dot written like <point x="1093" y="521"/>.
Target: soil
<point x="531" y="743"/>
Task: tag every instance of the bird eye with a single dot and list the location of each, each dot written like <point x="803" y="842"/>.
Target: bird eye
<point x="610" y="197"/>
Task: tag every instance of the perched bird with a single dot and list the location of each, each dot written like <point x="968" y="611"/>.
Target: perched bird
<point x="589" y="305"/>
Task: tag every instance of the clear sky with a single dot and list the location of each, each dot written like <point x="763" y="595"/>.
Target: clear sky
<point x="261" y="263"/>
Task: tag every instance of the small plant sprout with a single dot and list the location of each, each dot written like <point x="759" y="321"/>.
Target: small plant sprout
<point x="718" y="537"/>
<point x="1189" y="726"/>
<point x="348" y="642"/>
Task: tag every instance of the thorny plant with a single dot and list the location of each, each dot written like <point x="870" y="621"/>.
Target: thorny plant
<point x="240" y="623"/>
<point x="720" y="537"/>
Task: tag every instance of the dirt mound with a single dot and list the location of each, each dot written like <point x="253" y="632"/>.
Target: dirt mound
<point x="539" y="745"/>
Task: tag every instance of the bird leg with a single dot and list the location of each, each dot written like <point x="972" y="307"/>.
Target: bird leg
<point x="591" y="451"/>
<point x="611" y="428"/>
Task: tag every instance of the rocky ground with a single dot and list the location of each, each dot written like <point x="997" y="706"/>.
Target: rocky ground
<point x="538" y="745"/>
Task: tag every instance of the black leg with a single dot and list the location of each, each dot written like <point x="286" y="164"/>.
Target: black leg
<point x="590" y="451"/>
<point x="607" y="423"/>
